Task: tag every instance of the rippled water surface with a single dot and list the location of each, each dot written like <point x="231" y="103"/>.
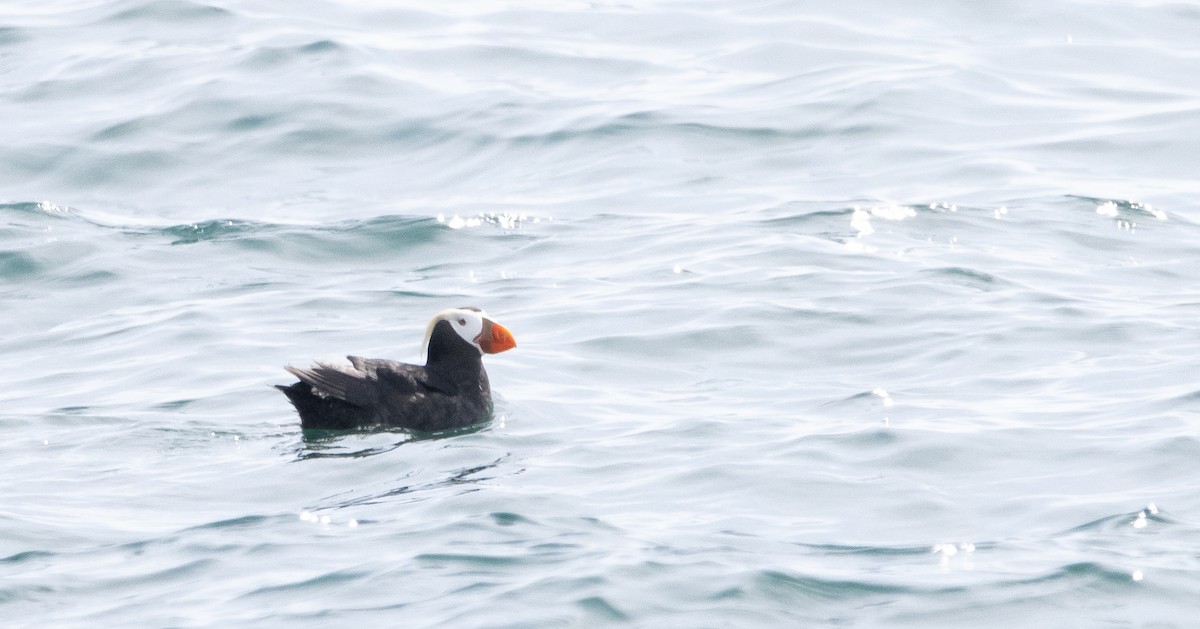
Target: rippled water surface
<point x="829" y="314"/>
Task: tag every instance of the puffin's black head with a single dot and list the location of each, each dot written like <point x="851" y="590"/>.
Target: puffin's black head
<point x="474" y="327"/>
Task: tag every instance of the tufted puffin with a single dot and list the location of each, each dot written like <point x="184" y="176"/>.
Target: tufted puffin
<point x="450" y="391"/>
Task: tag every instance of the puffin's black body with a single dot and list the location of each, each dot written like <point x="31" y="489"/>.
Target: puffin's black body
<point x="450" y="391"/>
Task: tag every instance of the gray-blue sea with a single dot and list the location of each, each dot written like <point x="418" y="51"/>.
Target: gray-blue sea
<point x="854" y="314"/>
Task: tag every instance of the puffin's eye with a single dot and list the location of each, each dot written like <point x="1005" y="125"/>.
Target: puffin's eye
<point x="462" y="321"/>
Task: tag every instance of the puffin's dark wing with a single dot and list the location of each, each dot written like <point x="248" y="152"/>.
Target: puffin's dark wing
<point x="401" y="378"/>
<point x="376" y="364"/>
<point x="352" y="386"/>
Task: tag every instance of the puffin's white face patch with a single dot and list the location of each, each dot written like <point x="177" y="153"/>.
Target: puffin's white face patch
<point x="467" y="323"/>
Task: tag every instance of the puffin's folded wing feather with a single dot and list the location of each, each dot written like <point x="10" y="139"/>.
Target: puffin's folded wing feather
<point x="396" y="377"/>
<point x="375" y="364"/>
<point x="418" y="380"/>
<point x="346" y="384"/>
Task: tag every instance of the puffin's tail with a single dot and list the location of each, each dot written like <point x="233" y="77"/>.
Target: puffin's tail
<point x="319" y="413"/>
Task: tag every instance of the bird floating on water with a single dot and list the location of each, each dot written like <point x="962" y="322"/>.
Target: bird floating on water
<point x="450" y="391"/>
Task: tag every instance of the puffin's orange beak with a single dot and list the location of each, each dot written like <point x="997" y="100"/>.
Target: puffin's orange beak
<point x="495" y="338"/>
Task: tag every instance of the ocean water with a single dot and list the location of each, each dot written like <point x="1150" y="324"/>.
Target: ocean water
<point x="829" y="314"/>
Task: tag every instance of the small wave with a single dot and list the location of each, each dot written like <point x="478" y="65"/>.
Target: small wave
<point x="788" y="586"/>
<point x="37" y="209"/>
<point x="318" y="584"/>
<point x="212" y="230"/>
<point x="171" y="11"/>
<point x="970" y="278"/>
<point x="11" y="35"/>
<point x="28" y="555"/>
